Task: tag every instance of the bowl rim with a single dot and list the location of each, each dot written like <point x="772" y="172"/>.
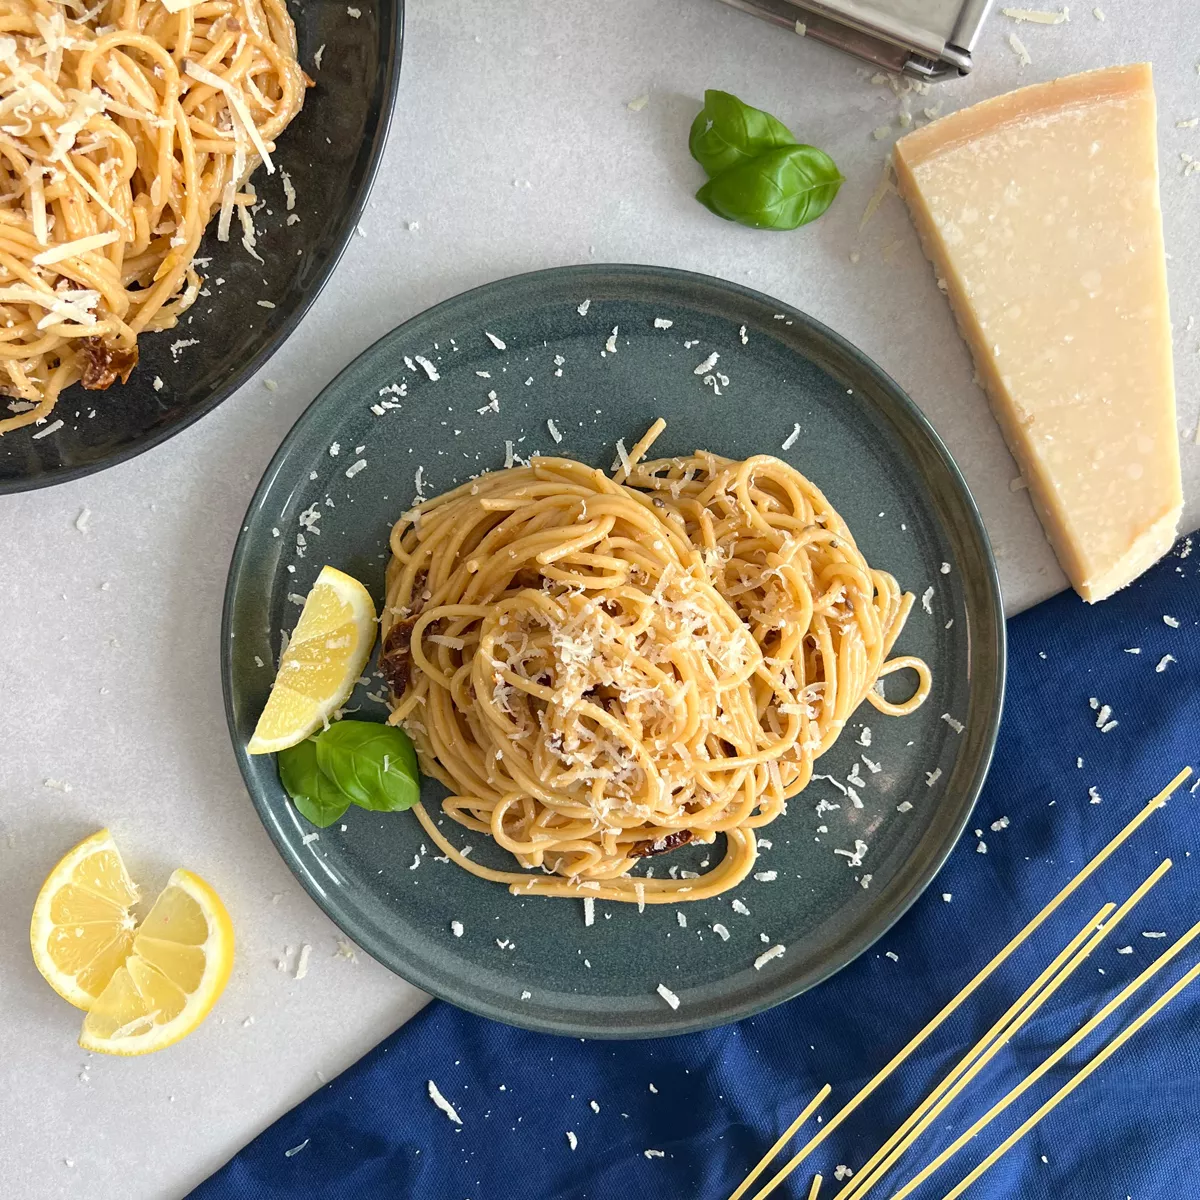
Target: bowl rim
<point x="391" y="12"/>
<point x="992" y="644"/>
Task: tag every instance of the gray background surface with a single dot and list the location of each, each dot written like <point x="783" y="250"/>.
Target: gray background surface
<point x="512" y="149"/>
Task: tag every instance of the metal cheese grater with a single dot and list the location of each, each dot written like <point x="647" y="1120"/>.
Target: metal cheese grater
<point x="931" y="39"/>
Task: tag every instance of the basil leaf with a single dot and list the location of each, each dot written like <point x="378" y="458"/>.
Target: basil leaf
<point x="727" y="132"/>
<point x="315" y="796"/>
<point x="781" y="189"/>
<point x="375" y="765"/>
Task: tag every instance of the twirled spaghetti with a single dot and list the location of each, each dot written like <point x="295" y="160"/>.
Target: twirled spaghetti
<point x="123" y="128"/>
<point x="602" y="669"/>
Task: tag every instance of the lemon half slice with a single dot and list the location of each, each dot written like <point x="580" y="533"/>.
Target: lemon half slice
<point x="82" y="929"/>
<point x="324" y="659"/>
<point x="179" y="964"/>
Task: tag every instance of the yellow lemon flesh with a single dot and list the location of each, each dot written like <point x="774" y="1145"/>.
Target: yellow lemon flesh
<point x="82" y="929"/>
<point x="179" y="963"/>
<point x="326" y="655"/>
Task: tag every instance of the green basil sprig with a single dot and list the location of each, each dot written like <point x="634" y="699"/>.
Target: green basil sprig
<point x="351" y="762"/>
<point x="316" y="797"/>
<point x="758" y="174"/>
<point x="781" y="189"/>
<point x="727" y="132"/>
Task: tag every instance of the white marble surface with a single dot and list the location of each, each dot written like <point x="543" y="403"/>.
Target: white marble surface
<point x="513" y="149"/>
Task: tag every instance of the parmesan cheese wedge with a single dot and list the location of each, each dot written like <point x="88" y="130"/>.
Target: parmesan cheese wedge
<point x="1040" y="212"/>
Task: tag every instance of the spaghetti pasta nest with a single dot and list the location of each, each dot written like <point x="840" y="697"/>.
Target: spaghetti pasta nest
<point x="603" y="669"/>
<point x="123" y="128"/>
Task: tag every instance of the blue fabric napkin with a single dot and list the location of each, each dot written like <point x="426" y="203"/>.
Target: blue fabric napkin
<point x="546" y="1117"/>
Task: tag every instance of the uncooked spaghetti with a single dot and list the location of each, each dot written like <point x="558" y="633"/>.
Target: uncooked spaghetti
<point x="123" y="128"/>
<point x="603" y="669"/>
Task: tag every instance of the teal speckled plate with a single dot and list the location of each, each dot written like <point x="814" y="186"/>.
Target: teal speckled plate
<point x="532" y="961"/>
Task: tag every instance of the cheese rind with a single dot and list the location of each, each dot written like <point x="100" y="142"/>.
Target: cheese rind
<point x="1040" y="212"/>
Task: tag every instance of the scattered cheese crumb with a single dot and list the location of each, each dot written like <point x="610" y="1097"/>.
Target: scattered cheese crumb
<point x="1149" y="933"/>
<point x="1019" y="49"/>
<point x="1162" y="662"/>
<point x="1036" y="16"/>
<point x="707" y="365"/>
<point x="947" y="896"/>
<point x="572" y="1140"/>
<point x="1124" y="949"/>
<point x="582" y="309"/>
<point x="892" y="955"/>
<point x="491" y="337"/>
<point x="428" y="367"/>
<point x="85" y="515"/>
<point x="673" y="1000"/>
<point x="295" y="1149"/>
<point x="610" y="345"/>
<point x="310" y="837"/>
<point x="354" y="468"/>
<point x="957" y="726"/>
<point x="654" y="1153"/>
<point x="790" y="440"/>
<point x="436" y="1096"/>
<point x="981" y="848"/>
<point x="739" y="907"/>
<point x="1094" y="796"/>
<point x="664" y="323"/>
<point x="1173" y="622"/>
<point x="766" y="956"/>
<point x="302" y="961"/>
<point x="766" y="876"/>
<point x="554" y="433"/>
<point x="589" y="910"/>
<point x="638" y="103"/>
<point x="456" y="928"/>
<point x="841" y="1171"/>
<point x="931" y="777"/>
<point x="1002" y="823"/>
<point x="1098" y="14"/>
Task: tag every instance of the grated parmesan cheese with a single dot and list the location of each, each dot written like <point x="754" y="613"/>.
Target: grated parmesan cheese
<point x="1019" y="50"/>
<point x="790" y="440"/>
<point x="673" y="1000"/>
<point x="1036" y="16"/>
<point x="436" y="1096"/>
<point x="767" y="955"/>
<point x="707" y="365"/>
<point x="497" y="342"/>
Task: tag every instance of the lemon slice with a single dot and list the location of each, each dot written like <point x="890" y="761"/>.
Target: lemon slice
<point x="82" y="930"/>
<point x="329" y="648"/>
<point x="179" y="964"/>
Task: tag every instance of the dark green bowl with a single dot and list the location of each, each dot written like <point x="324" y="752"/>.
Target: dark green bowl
<point x="862" y="441"/>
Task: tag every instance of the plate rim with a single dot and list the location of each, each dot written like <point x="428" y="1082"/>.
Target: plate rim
<point x="674" y="1022"/>
<point x="393" y="11"/>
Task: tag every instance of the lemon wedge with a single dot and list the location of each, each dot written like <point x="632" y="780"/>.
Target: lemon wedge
<point x="326" y="655"/>
<point x="180" y="960"/>
<point x="82" y="929"/>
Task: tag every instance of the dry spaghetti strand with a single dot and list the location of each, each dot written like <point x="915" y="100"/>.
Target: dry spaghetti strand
<point x="601" y="669"/>
<point x="123" y="128"/>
